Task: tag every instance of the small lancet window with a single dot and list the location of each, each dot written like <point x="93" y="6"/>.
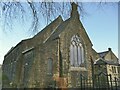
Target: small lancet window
<point x="50" y="66"/>
<point x="76" y="51"/>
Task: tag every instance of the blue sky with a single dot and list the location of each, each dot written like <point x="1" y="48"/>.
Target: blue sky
<point x="101" y="24"/>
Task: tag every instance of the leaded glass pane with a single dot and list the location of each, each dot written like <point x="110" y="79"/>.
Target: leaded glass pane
<point x="72" y="55"/>
<point x="82" y="50"/>
<point x="76" y="51"/>
<point x="79" y="55"/>
<point x="75" y="56"/>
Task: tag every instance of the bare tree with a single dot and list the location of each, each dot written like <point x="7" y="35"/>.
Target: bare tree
<point x="36" y="10"/>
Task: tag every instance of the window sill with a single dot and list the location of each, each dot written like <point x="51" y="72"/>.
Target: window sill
<point x="78" y="69"/>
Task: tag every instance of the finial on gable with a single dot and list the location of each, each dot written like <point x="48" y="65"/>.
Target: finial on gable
<point x="109" y="49"/>
<point x="74" y="11"/>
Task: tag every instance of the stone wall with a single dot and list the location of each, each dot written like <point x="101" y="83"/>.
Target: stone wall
<point x="26" y="66"/>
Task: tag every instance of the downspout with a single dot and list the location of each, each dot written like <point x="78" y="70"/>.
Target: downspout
<point x="58" y="55"/>
<point x="59" y="59"/>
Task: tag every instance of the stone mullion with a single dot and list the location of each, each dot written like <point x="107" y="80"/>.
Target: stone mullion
<point x="82" y="51"/>
<point x="77" y="55"/>
<point x="73" y="56"/>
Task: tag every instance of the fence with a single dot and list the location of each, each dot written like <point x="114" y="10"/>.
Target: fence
<point x="99" y="82"/>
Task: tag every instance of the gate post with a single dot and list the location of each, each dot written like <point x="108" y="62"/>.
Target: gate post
<point x="98" y="83"/>
<point x="81" y="80"/>
<point x="111" y="82"/>
<point x="92" y="65"/>
<point x="115" y="83"/>
<point x="108" y="82"/>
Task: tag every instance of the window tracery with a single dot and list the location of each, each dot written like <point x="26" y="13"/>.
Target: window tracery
<point x="76" y="51"/>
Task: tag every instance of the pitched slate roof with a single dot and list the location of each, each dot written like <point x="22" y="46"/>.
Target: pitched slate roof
<point x="53" y="24"/>
<point x="48" y="30"/>
<point x="58" y="30"/>
<point x="103" y="54"/>
<point x="101" y="61"/>
<point x="112" y="62"/>
<point x="56" y="33"/>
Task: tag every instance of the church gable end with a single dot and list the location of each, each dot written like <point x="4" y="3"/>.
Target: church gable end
<point x="110" y="56"/>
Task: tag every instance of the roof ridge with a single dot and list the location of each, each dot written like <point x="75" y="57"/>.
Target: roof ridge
<point x="103" y="52"/>
<point x="55" y="20"/>
<point x="57" y="30"/>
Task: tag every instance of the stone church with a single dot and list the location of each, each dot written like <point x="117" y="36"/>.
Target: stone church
<point x="55" y="57"/>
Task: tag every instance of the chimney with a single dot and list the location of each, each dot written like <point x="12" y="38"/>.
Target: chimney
<point x="109" y="49"/>
<point x="74" y="11"/>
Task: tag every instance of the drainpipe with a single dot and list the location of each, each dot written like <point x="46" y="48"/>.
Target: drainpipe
<point x="59" y="59"/>
<point x="58" y="39"/>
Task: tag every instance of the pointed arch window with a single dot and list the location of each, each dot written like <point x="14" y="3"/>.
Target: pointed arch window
<point x="50" y="66"/>
<point x="76" y="51"/>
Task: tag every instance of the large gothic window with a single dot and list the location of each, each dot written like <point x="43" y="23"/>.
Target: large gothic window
<point x="76" y="52"/>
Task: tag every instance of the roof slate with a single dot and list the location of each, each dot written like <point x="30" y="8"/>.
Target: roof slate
<point x="103" y="54"/>
<point x="59" y="30"/>
<point x="101" y="61"/>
